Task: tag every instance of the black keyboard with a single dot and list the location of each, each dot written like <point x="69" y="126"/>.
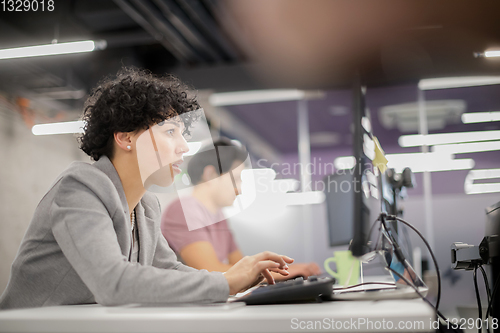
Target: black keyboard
<point x="291" y="291"/>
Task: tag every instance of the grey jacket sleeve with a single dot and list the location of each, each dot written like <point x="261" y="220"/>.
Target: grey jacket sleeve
<point x="165" y="257"/>
<point x="83" y="228"/>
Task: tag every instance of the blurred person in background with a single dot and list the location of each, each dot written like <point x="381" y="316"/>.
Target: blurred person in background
<point x="195" y="226"/>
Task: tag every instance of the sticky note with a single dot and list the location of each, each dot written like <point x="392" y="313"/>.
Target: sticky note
<point x="379" y="161"/>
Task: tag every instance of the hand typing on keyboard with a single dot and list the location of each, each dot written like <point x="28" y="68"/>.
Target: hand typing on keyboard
<point x="251" y="270"/>
<point x="296" y="290"/>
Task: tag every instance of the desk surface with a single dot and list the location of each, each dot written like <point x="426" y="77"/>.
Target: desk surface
<point x="359" y="316"/>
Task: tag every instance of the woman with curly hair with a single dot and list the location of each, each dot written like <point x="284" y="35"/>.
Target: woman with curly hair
<point x="95" y="236"/>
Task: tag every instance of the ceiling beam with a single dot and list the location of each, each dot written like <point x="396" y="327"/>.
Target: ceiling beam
<point x="176" y="16"/>
<point x="208" y="26"/>
<point x="143" y="22"/>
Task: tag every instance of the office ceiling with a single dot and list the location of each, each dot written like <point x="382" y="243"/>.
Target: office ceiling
<point x="257" y="44"/>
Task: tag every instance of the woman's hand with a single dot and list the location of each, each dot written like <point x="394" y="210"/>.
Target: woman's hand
<point x="253" y="269"/>
<point x="302" y="269"/>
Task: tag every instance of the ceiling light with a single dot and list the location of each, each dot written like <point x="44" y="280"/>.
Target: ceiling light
<point x="471" y="147"/>
<point x="405" y="117"/>
<point x="492" y="54"/>
<point x="344" y="162"/>
<point x="58" y="128"/>
<point x="61" y="94"/>
<point x="457" y="82"/>
<point x="76" y="127"/>
<point x="52" y="49"/>
<point x="416" y="140"/>
<point x="261" y="96"/>
<point x="478" y="188"/>
<point x="430" y="162"/>
<point x="480" y="117"/>
<point x="417" y="162"/>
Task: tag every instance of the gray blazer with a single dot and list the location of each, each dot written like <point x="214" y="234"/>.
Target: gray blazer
<point x="77" y="245"/>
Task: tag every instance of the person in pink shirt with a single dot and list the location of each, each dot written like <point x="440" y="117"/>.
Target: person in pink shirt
<point x="195" y="227"/>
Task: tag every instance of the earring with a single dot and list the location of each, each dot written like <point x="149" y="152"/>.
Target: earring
<point x="128" y="147"/>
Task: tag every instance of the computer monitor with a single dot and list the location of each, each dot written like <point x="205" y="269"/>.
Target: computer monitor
<point x="339" y="206"/>
<point x="366" y="199"/>
<point x="353" y="197"/>
<point x="358" y="206"/>
<point x="492" y="231"/>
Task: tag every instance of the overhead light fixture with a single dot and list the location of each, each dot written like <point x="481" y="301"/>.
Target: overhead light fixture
<point x="52" y="49"/>
<point x="471" y="147"/>
<point x="261" y="96"/>
<point x="76" y="127"/>
<point x="58" y="93"/>
<point x="480" y="117"/>
<point x="405" y="117"/>
<point x="457" y="82"/>
<point x="492" y="54"/>
<point x="69" y="127"/>
<point x="417" y="162"/>
<point x="344" y="162"/>
<point x="416" y="140"/>
<point x="430" y="162"/>
<point x="479" y="188"/>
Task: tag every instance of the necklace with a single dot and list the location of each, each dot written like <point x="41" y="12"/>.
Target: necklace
<point x="132" y="219"/>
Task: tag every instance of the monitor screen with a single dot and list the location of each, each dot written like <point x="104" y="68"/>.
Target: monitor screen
<point x="339" y="205"/>
<point x="352" y="196"/>
<point x="340" y="189"/>
<point x="366" y="198"/>
<point x="493" y="231"/>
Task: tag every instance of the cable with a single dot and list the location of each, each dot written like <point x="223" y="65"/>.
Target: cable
<point x="495" y="289"/>
<point x="440" y="315"/>
<point x="365" y="283"/>
<point x="395" y="245"/>
<point x="489" y="296"/>
<point x="438" y="298"/>
<point x="486" y="283"/>
<point x="478" y="298"/>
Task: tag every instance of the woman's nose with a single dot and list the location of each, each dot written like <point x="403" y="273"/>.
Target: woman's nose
<point x="183" y="146"/>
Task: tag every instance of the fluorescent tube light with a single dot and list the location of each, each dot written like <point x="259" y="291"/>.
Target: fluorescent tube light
<point x="480" y="117"/>
<point x="430" y="162"/>
<point x="417" y="162"/>
<point x="471" y="147"/>
<point x="344" y="162"/>
<point x="457" y="82"/>
<point x="479" y="188"/>
<point x="59" y="128"/>
<point x="52" y="49"/>
<point x="491" y="54"/>
<point x="261" y="96"/>
<point x="76" y="127"/>
<point x="416" y="140"/>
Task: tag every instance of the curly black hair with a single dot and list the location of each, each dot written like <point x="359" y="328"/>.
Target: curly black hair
<point x="133" y="100"/>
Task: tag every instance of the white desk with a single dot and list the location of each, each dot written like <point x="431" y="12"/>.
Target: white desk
<point x="229" y="318"/>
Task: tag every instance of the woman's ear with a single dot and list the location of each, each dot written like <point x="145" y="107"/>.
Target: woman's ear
<point x="209" y="173"/>
<point x="123" y="140"/>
